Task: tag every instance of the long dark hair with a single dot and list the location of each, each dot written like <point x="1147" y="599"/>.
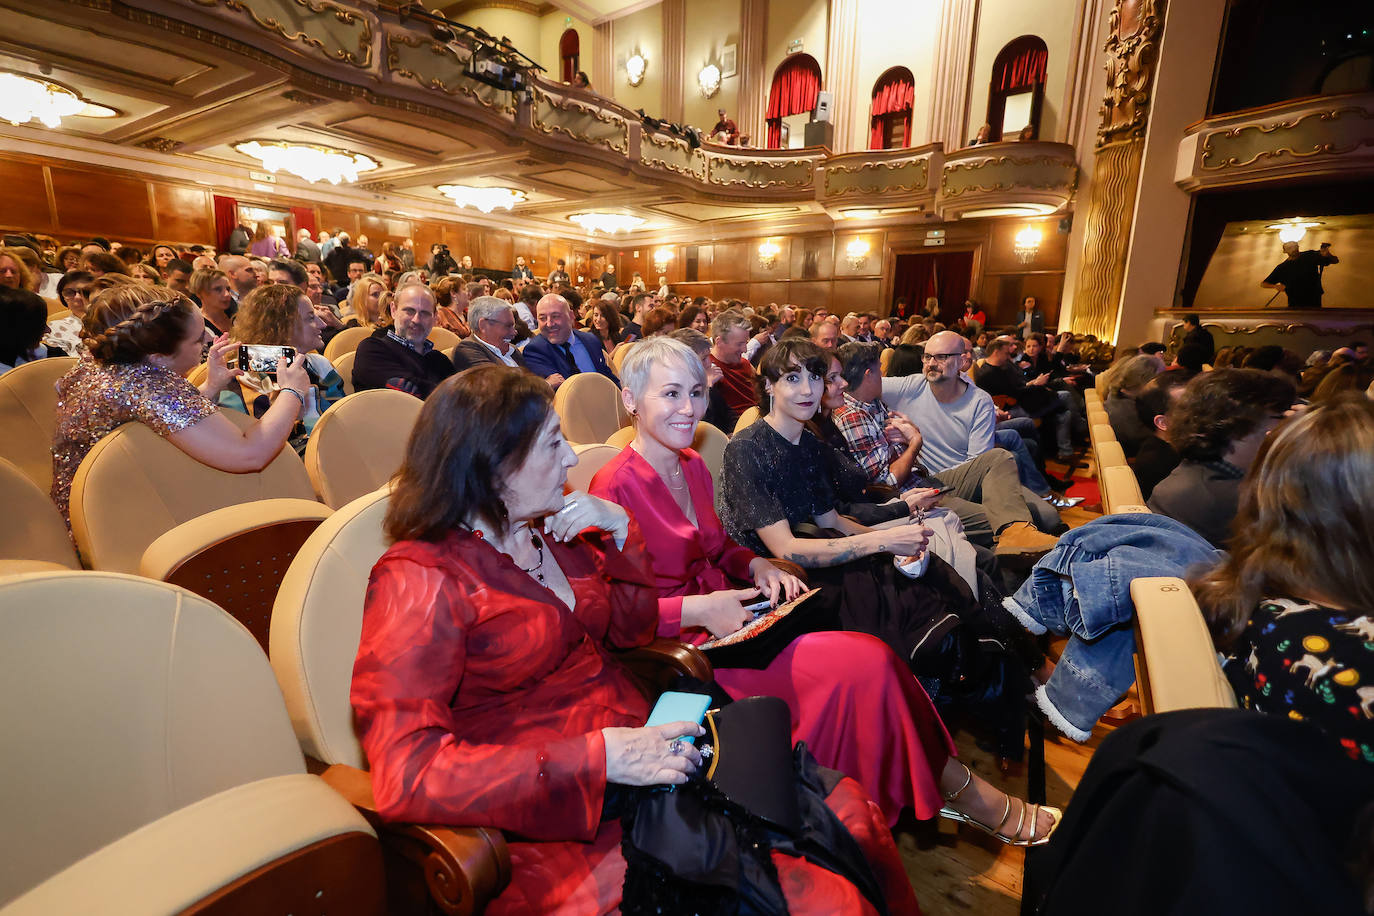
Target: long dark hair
<point x="473" y="429"/>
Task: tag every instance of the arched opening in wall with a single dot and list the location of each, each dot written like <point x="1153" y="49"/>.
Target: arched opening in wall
<point x="1017" y="90"/>
<point x="570" y="54"/>
<point x="796" y="83"/>
<point x="890" y="113"/>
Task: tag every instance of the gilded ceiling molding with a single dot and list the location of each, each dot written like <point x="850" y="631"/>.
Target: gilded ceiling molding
<point x="161" y="144"/>
<point x="291" y="9"/>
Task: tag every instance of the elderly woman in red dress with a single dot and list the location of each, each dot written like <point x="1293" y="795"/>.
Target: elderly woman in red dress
<point x="484" y="690"/>
<point x="853" y="701"/>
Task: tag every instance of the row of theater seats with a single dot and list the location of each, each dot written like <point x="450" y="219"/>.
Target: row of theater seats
<point x="1176" y="664"/>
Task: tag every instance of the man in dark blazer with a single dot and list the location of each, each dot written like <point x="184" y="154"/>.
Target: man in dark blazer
<point x="306" y="249"/>
<point x="559" y="350"/>
<point x="493" y="326"/>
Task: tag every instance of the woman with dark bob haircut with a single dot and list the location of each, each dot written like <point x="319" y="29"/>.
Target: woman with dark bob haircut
<point x="142" y="341"/>
<point x="484" y="690"/>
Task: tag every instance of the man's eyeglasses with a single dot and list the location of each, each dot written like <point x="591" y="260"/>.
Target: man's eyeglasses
<point x="76" y="292"/>
<point x="939" y="358"/>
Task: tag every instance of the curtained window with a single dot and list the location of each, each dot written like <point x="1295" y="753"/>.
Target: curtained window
<point x="1017" y="88"/>
<point x="569" y="54"/>
<point x="795" y="85"/>
<point x="890" y="113"/>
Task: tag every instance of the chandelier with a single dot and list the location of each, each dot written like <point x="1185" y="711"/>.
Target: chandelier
<point x="607" y="222"/>
<point x="1027" y="244"/>
<point x="484" y="199"/>
<point x="313" y="163"/>
<point x="24" y="98"/>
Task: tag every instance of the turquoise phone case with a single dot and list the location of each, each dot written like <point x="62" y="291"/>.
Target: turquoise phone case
<point x="673" y="706"/>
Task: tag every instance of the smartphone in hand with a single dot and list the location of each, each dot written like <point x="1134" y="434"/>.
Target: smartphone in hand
<point x="673" y="706"/>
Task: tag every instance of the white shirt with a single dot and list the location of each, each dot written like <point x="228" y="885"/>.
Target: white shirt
<point x="503" y="357"/>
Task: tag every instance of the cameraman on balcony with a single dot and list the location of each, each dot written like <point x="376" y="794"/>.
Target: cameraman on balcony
<point x="1300" y="275"/>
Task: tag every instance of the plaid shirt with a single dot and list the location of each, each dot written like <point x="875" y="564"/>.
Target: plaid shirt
<point x="863" y="425"/>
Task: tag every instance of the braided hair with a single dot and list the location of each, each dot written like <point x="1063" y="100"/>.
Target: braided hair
<point x="132" y="321"/>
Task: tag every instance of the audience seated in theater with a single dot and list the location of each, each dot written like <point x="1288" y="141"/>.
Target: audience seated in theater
<point x="998" y="375"/>
<point x="729" y="337"/>
<point x="604" y="322"/>
<point x="696" y="317"/>
<point x="559" y="350"/>
<point x="775" y="497"/>
<point x="717" y="413"/>
<point x="355" y="267"/>
<point x="826" y="334"/>
<point x="447" y="311"/>
<point x="142" y="340"/>
<point x="1194" y="334"/>
<point x="14" y="274"/>
<point x="1349" y="377"/>
<point x="242" y="278"/>
<point x="364" y="307"/>
<point x="952" y="424"/>
<point x="74" y="289"/>
<point x="281" y="315"/>
<point x="659" y="321"/>
<point x="483" y="689"/>
<point x="493" y="329"/>
<point x="217" y="303"/>
<point x="904" y="758"/>
<point x="145" y="273"/>
<point x="23" y="324"/>
<point x="400" y="355"/>
<point x="1157" y="457"/>
<point x="1123" y="380"/>
<point x="1292" y="603"/>
<point x="1217" y="425"/>
<point x="176" y="276"/>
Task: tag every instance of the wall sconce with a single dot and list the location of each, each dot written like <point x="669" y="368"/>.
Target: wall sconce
<point x="661" y="259"/>
<point x="1027" y="244"/>
<point x="857" y="253"/>
<point x="768" y="254"/>
<point x="708" y="80"/>
<point x="635" y="67"/>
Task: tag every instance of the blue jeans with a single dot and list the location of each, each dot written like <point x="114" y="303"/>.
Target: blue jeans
<point x="1009" y="437"/>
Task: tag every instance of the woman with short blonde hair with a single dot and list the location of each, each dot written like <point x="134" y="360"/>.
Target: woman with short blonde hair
<point x="365" y="302"/>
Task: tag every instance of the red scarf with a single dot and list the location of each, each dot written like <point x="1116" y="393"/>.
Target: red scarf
<point x="737" y="385"/>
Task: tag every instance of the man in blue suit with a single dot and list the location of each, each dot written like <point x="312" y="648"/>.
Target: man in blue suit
<point x="559" y="350"/>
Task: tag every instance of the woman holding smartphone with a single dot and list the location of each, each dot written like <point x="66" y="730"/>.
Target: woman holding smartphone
<point x="281" y="318"/>
<point x="142" y="341"/>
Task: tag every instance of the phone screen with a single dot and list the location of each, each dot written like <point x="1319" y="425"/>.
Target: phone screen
<point x="264" y="359"/>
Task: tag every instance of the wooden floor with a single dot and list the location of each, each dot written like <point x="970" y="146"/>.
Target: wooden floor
<point x="960" y="870"/>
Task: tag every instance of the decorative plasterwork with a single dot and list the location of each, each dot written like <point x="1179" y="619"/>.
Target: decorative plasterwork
<point x="1008" y="173"/>
<point x="579" y="121"/>
<point x="1332" y="132"/>
<point x="161" y="144"/>
<point x="760" y="172"/>
<point x="901" y="176"/>
<point x="1134" y="28"/>
<point x="301" y="98"/>
<point x="672" y="154"/>
<point x="439" y="66"/>
<point x="335" y="31"/>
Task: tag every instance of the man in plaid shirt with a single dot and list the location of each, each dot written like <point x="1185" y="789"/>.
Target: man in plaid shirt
<point x="986" y="492"/>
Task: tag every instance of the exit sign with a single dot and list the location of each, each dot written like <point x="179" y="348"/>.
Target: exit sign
<point x="794" y="46"/>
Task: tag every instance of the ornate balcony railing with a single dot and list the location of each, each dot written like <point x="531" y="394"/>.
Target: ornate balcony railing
<point x="1320" y="135"/>
<point x="1030" y="176"/>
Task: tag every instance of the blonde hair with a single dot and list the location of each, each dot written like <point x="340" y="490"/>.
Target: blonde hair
<point x="25" y="275"/>
<point x="1304" y="527"/>
<point x="358" y="304"/>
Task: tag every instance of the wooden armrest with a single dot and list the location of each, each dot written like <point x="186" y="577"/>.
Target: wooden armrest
<point x="455" y="870"/>
<point x="882" y="491"/>
<point x="789" y="567"/>
<point x="657" y="662"/>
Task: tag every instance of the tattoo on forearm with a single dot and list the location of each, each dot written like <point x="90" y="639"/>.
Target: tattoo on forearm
<point x="844" y="552"/>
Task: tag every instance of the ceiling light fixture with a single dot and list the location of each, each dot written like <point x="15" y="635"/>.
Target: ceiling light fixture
<point x="484" y="199"/>
<point x="860" y="213"/>
<point x="607" y="222"/>
<point x="1027" y="244"/>
<point x="1293" y="230"/>
<point x="708" y="80"/>
<point x="313" y="163"/>
<point x="768" y="254"/>
<point x="26" y="98"/>
<point x="635" y="67"/>
<point x="857" y="253"/>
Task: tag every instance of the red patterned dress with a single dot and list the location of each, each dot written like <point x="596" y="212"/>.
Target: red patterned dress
<point x="480" y="700"/>
<point x="853" y="701"/>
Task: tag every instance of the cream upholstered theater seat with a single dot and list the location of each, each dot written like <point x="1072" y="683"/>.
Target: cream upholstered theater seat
<point x="618" y="355"/>
<point x="589" y="406"/>
<point x="709" y="442"/>
<point x="1099" y="433"/>
<point x="33" y="530"/>
<point x="1176" y="664"/>
<point x="151" y="762"/>
<point x="344" y="366"/>
<point x="885" y="359"/>
<point x="236" y="556"/>
<point x="358" y="444"/>
<point x="621" y="437"/>
<point x="134" y="486"/>
<point x="590" y="459"/>
<point x="346" y="341"/>
<point x="1109" y="455"/>
<point x="746" y="419"/>
<point x="444" y="339"/>
<point x="1120" y="489"/>
<point x="28" y="416"/>
<point x="199" y="374"/>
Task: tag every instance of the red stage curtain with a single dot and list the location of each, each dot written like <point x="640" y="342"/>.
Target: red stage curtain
<point x="226" y="218"/>
<point x="793" y="91"/>
<point x="893" y="96"/>
<point x="1018" y="67"/>
<point x="304" y="218"/>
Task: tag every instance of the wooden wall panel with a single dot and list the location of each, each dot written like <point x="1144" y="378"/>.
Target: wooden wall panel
<point x="496" y="252"/>
<point x="762" y="295"/>
<point x="185" y="215"/>
<point x="470" y="245"/>
<point x="1001" y="251"/>
<point x="812" y="257"/>
<point x="872" y="265"/>
<point x="426" y="234"/>
<point x="334" y="218"/>
<point x="102" y="203"/>
<point x="855" y="295"/>
<point x="810" y="294"/>
<point x="25" y="203"/>
<point x="731" y="290"/>
<point x="730" y="261"/>
<point x="782" y="262"/>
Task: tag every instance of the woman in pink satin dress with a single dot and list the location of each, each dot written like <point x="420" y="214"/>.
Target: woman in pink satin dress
<point x="854" y="703"/>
